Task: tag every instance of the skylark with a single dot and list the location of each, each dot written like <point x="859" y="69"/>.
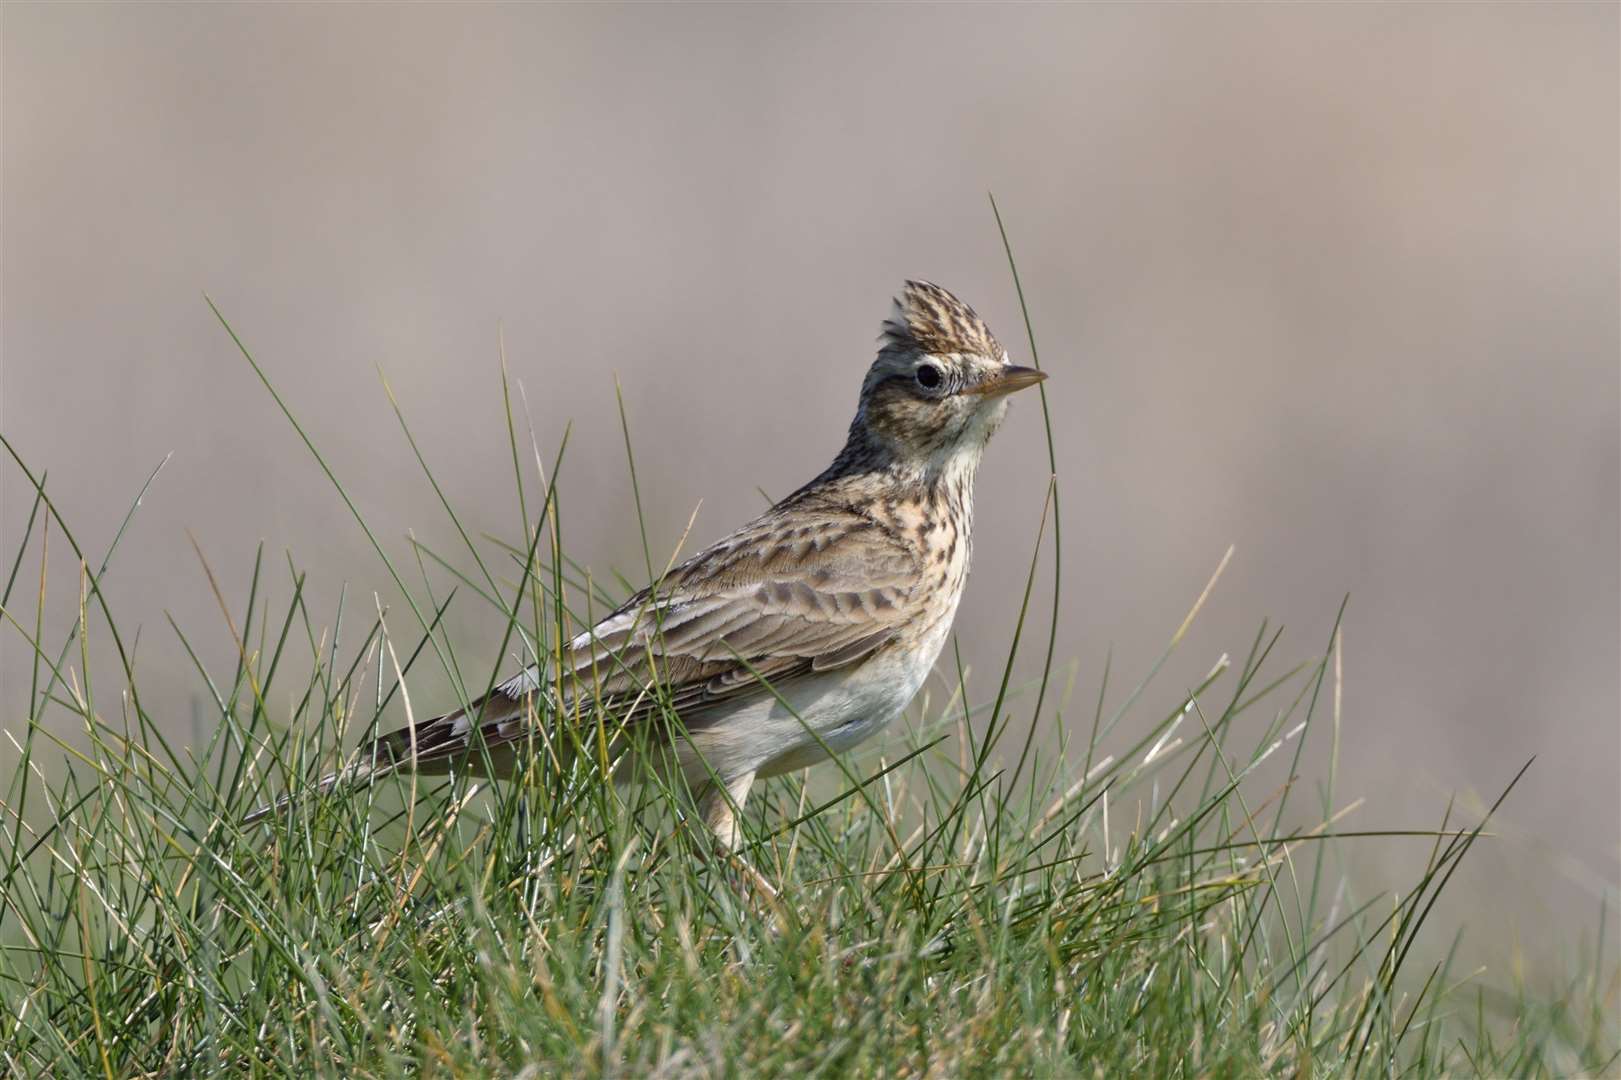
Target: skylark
<point x="805" y="631"/>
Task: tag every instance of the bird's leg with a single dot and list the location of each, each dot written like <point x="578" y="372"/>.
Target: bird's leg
<point x="722" y="805"/>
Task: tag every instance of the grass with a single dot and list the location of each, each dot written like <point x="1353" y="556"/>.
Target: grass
<point x="1002" y="887"/>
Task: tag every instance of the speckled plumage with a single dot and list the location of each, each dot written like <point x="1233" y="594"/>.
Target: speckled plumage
<point x="840" y="596"/>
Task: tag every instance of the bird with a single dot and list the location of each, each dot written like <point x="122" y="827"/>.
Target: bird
<point x="799" y="635"/>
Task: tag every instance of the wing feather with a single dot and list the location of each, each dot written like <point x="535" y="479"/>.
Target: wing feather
<point x="775" y="602"/>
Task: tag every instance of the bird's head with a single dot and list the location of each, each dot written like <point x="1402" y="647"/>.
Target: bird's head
<point x="938" y="389"/>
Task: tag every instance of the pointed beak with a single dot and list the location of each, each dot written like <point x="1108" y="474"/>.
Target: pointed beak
<point x="1007" y="380"/>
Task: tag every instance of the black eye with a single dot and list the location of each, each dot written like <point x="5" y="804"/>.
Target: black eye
<point x="928" y="376"/>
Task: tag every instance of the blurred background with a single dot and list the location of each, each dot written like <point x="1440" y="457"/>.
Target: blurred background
<point x="1337" y="285"/>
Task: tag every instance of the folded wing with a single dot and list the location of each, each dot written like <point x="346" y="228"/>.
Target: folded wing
<point x="765" y="607"/>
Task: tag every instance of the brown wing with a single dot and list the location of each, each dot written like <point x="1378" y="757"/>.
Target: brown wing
<point x="782" y="598"/>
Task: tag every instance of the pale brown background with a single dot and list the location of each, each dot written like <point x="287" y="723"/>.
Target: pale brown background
<point x="1337" y="284"/>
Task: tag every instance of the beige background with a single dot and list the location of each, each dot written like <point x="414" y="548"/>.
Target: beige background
<point x="1336" y="284"/>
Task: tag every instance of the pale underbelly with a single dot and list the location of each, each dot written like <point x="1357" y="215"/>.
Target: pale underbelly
<point x="830" y="713"/>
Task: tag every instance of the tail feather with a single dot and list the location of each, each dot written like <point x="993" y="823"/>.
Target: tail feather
<point x="431" y="748"/>
<point x="325" y="786"/>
